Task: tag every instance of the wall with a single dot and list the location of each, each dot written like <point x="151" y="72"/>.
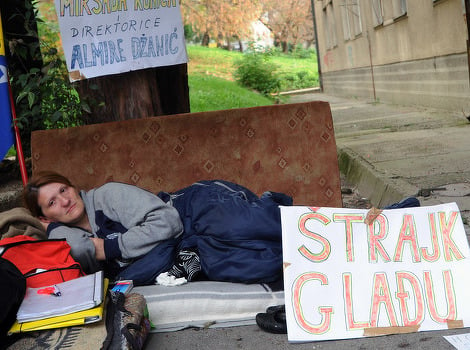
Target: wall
<point x="417" y="58"/>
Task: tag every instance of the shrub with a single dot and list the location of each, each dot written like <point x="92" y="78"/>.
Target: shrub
<point x="300" y="52"/>
<point x="255" y="71"/>
<point x="299" y="80"/>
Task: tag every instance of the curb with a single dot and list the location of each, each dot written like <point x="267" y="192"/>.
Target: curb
<point x="369" y="183"/>
<point x="297" y="92"/>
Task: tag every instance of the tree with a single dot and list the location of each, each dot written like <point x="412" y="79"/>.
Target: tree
<point x="290" y="21"/>
<point x="148" y="92"/>
<point x="221" y="19"/>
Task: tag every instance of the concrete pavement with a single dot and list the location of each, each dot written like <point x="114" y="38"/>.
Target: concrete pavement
<point x="389" y="152"/>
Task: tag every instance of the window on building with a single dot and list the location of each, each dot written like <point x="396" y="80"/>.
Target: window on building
<point x="385" y="12"/>
<point x="399" y="8"/>
<point x="330" y="25"/>
<point x="356" y="10"/>
<point x="351" y="16"/>
<point x="377" y="13"/>
<point x="346" y="21"/>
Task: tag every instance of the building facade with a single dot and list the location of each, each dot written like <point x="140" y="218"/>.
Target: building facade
<point x="406" y="52"/>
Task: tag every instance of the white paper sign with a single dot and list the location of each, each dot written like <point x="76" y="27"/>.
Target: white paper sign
<point x="460" y="341"/>
<point x="407" y="271"/>
<point x="102" y="37"/>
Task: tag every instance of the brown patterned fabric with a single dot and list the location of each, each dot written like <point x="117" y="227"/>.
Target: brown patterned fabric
<point x="284" y="148"/>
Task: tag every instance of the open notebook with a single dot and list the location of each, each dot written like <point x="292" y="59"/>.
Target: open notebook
<point x="79" y="294"/>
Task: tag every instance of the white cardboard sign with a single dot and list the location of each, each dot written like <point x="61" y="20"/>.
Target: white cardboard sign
<point x="407" y="271"/>
<point x="102" y="37"/>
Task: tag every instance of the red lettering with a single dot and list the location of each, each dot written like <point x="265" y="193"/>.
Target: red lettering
<point x="402" y="295"/>
<point x="326" y="311"/>
<point x="375" y="246"/>
<point x="326" y="246"/>
<point x="447" y="227"/>
<point x="382" y="296"/>
<point x="349" y="220"/>
<point x="435" y="245"/>
<point x="407" y="234"/>
<point x="450" y="297"/>
<point x="351" y="324"/>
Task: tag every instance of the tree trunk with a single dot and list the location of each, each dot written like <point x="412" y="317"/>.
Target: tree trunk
<point x="136" y="94"/>
<point x="205" y="39"/>
<point x="241" y="45"/>
<point x="285" y="47"/>
<point x="229" y="43"/>
<point x="220" y="40"/>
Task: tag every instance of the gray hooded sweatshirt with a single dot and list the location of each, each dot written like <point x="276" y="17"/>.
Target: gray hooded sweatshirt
<point x="132" y="221"/>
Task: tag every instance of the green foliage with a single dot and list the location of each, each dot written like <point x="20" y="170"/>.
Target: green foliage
<point x="294" y="52"/>
<point x="293" y="71"/>
<point x="255" y="71"/>
<point x="300" y="52"/>
<point x="44" y="97"/>
<point x="60" y="104"/>
<point x="189" y="33"/>
<point x="298" y="80"/>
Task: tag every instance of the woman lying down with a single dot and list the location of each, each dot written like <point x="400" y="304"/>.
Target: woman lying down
<point x="213" y="230"/>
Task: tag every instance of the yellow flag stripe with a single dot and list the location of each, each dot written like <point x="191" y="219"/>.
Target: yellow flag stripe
<point x="2" y="43"/>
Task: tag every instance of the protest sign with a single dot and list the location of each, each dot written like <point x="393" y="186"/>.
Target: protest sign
<point x="406" y="271"/>
<point x="102" y="37"/>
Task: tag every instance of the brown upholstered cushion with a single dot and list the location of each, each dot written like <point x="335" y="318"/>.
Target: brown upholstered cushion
<point x="284" y="148"/>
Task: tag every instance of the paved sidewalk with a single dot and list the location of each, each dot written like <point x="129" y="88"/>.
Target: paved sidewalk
<point x="391" y="152"/>
<point x="388" y="152"/>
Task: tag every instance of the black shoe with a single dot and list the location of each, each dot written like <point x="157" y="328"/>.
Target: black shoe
<point x="273" y="320"/>
<point x="276" y="308"/>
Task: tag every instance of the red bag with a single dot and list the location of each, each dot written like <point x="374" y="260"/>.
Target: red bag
<point x="42" y="262"/>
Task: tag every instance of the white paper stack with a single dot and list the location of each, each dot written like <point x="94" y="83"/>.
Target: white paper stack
<point x="79" y="294"/>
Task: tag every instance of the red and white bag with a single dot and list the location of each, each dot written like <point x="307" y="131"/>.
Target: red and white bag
<point x="42" y="262"/>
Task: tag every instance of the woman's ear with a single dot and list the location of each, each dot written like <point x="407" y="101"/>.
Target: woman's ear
<point x="45" y="222"/>
<point x="44" y="219"/>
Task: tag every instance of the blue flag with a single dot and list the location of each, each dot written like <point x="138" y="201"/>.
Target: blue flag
<point x="7" y="138"/>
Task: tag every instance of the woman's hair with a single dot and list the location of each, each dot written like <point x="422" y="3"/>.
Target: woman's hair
<point x="31" y="190"/>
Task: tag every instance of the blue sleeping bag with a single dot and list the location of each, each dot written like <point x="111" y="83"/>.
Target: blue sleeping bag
<point x="237" y="234"/>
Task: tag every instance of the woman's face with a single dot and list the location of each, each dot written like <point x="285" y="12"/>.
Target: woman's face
<point x="61" y="203"/>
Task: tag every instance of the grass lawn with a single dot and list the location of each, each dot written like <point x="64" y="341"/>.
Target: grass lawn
<point x="220" y="63"/>
<point x="211" y="82"/>
<point x="211" y="61"/>
<point x="209" y="93"/>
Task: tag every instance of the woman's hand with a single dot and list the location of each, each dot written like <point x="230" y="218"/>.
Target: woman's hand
<point x="99" y="248"/>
